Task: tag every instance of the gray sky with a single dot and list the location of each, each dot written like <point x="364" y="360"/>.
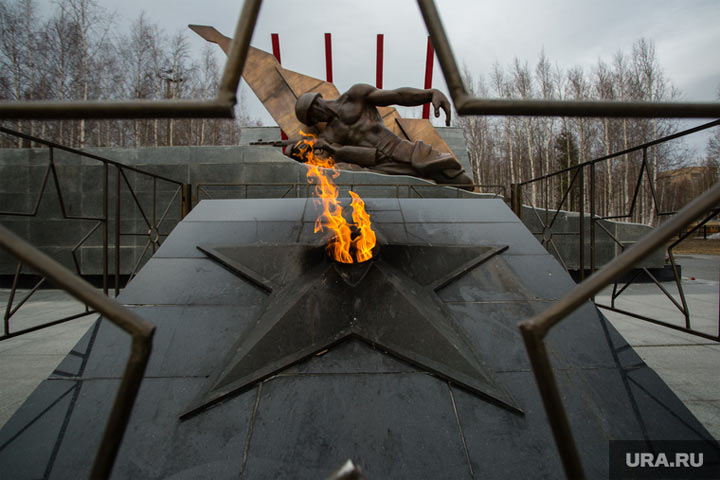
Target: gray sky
<point x="482" y="32"/>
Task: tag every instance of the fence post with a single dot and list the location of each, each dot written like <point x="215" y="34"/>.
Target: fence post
<point x="186" y="203"/>
<point x="581" y="223"/>
<point x="516" y="199"/>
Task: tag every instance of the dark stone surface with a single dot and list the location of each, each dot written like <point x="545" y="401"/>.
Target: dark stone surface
<point x="28" y="440"/>
<point x="182" y="243"/>
<point x="178" y="349"/>
<point x="270" y="210"/>
<point x="393" y="425"/>
<point x="197" y="282"/>
<point x="352" y="401"/>
<point x="156" y="445"/>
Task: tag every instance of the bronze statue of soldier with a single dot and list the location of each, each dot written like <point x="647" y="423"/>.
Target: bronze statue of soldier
<point x="355" y="136"/>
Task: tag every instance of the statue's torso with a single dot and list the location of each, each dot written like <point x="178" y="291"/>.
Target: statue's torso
<point x="357" y="122"/>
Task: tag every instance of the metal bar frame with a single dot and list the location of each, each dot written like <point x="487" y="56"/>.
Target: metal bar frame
<point x="467" y="105"/>
<point x="222" y="106"/>
<point x="533" y="330"/>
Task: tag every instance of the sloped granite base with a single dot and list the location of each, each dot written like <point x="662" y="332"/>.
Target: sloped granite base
<point x="353" y="401"/>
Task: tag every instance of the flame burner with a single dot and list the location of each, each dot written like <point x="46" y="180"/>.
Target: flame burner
<point x="388" y="301"/>
<point x="368" y="256"/>
<point x="353" y="273"/>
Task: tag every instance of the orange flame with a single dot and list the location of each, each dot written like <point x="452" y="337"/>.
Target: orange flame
<point x="331" y="217"/>
<point x="364" y="242"/>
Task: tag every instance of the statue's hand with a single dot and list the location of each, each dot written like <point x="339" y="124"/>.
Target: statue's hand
<point x="321" y="144"/>
<point x="439" y="100"/>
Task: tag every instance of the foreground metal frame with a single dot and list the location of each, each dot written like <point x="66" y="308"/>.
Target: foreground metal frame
<point x="224" y="102"/>
<point x="140" y="330"/>
<point x="535" y="329"/>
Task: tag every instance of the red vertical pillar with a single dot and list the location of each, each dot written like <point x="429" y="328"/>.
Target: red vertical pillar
<point x="276" y="47"/>
<point x="276" y="54"/>
<point x="428" y="74"/>
<point x="328" y="58"/>
<point x="379" y="62"/>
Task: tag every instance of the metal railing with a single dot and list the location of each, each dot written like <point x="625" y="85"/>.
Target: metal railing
<point x="533" y="330"/>
<point x="576" y="183"/>
<point x="223" y="103"/>
<point x="140" y="331"/>
<point x="152" y="217"/>
<point x="536" y="329"/>
<point x="305" y="190"/>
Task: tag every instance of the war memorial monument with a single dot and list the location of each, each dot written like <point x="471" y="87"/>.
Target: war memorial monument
<point x="295" y="334"/>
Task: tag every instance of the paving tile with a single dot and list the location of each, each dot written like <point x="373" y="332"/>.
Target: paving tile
<point x="456" y="211"/>
<point x="274" y="209"/>
<point x="28" y="439"/>
<point x="207" y="444"/>
<point x="401" y="426"/>
<point x="206" y="283"/>
<point x="184" y="337"/>
<point x="185" y="238"/>
<point x="515" y="235"/>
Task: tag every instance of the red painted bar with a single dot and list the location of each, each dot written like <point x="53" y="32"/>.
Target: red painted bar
<point x="379" y="63"/>
<point x="276" y="54"/>
<point x="428" y="74"/>
<point x="276" y="47"/>
<point x="328" y="57"/>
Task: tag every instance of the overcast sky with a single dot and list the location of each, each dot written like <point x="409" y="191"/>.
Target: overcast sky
<point x="482" y="32"/>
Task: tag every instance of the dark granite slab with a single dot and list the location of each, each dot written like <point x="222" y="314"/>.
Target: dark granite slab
<point x="156" y="445"/>
<point x="197" y="281"/>
<point x="353" y="400"/>
<point x="394" y="425"/>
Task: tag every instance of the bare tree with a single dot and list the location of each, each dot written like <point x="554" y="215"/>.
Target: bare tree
<point x="522" y="82"/>
<point x="14" y="65"/>
<point x="91" y="26"/>
<point x="548" y="86"/>
<point x="475" y="131"/>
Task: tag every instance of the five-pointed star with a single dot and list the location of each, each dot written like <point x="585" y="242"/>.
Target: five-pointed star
<point x="389" y="302"/>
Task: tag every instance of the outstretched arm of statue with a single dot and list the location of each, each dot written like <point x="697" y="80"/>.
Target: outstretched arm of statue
<point x="362" y="156"/>
<point x="298" y="147"/>
<point x="411" y="97"/>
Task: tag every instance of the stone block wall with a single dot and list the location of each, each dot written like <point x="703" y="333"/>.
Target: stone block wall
<point x="565" y="243"/>
<point x="22" y="172"/>
<point x="82" y="179"/>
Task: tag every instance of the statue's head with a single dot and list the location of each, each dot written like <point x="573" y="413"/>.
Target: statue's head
<point x="303" y="106"/>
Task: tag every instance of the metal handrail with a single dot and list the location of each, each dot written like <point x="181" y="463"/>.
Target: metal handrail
<point x="636" y="148"/>
<point x="535" y="329"/>
<point x="222" y="106"/>
<point x="467" y="105"/>
<point x="153" y="220"/>
<point x="81" y="153"/>
<point x="577" y="172"/>
<point x="140" y="330"/>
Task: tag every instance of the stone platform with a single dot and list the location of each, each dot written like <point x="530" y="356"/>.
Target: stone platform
<point x="353" y="401"/>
